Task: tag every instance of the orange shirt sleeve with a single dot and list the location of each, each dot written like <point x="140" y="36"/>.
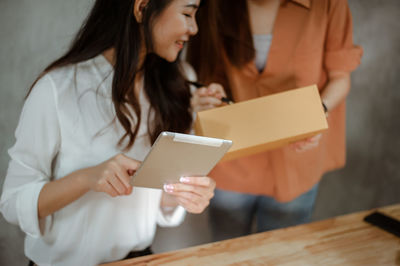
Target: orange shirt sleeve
<point x="340" y="52"/>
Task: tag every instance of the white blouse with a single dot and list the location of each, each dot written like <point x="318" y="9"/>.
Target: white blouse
<point x="65" y="125"/>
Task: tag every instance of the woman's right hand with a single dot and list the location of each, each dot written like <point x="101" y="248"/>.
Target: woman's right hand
<point x="112" y="176"/>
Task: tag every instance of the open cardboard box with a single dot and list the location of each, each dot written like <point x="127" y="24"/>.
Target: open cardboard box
<point x="265" y="123"/>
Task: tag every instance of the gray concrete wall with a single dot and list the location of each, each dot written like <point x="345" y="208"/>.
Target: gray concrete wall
<point x="35" y="32"/>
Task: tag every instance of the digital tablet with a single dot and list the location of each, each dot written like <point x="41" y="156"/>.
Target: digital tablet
<point x="174" y="155"/>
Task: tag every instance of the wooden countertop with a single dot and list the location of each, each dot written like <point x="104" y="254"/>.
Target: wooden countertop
<point x="342" y="240"/>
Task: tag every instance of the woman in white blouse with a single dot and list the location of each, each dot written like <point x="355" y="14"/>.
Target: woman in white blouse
<point x="88" y="121"/>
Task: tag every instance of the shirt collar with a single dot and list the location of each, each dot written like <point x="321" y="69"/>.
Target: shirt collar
<point x="304" y="3"/>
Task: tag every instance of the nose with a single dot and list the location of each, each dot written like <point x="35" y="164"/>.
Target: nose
<point x="193" y="29"/>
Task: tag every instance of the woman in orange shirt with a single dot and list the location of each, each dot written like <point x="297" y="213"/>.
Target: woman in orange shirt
<point x="261" y="47"/>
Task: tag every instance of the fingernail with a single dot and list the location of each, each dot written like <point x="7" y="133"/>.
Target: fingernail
<point x="184" y="179"/>
<point x="168" y="188"/>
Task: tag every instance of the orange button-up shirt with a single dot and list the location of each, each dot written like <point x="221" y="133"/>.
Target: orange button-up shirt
<point x="310" y="38"/>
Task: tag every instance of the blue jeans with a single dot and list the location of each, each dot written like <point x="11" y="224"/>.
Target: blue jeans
<point x="232" y="214"/>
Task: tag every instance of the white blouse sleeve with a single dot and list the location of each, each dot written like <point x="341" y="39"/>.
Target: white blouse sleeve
<point x="170" y="217"/>
<point x="37" y="143"/>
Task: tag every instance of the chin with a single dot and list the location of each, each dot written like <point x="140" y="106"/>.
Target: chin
<point x="171" y="56"/>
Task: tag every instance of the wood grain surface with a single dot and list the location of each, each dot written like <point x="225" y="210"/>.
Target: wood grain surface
<point x="343" y="240"/>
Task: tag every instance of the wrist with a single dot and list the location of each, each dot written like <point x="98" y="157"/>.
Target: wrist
<point x="325" y="107"/>
<point x="168" y="201"/>
<point x="83" y="179"/>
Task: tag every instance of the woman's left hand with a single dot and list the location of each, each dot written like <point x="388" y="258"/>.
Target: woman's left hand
<point x="207" y="97"/>
<point x="192" y="193"/>
<point x="307" y="144"/>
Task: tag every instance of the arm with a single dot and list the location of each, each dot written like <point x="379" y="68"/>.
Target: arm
<point x="334" y="93"/>
<point x="59" y="193"/>
<point x="38" y="140"/>
<point x="29" y="191"/>
<point x="111" y="177"/>
<point x="336" y="89"/>
<point x="341" y="57"/>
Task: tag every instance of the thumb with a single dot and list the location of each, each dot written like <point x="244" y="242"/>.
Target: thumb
<point x="128" y="163"/>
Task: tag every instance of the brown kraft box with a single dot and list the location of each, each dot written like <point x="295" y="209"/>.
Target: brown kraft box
<point x="266" y="122"/>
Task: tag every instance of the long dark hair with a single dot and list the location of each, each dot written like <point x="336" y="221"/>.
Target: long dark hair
<point x="112" y="24"/>
<point x="224" y="32"/>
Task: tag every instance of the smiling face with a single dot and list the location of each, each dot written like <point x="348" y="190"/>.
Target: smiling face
<point x="173" y="27"/>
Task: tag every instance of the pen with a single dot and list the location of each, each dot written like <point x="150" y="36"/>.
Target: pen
<point x="199" y="85"/>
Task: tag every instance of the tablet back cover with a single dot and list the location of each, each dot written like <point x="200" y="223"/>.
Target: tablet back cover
<point x="174" y="155"/>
